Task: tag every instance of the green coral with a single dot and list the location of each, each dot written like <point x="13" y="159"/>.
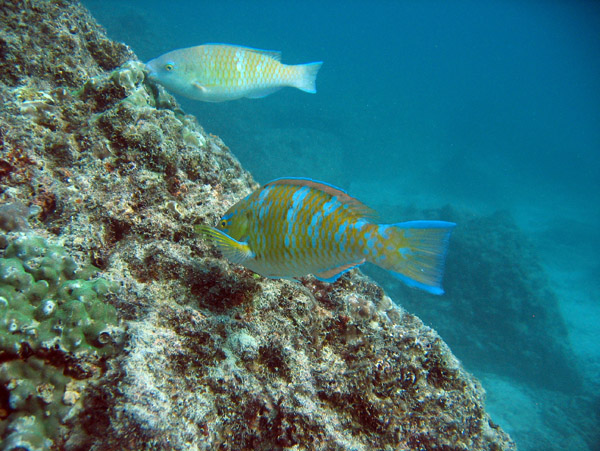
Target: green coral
<point x="47" y="302"/>
<point x="32" y="388"/>
<point x="54" y="322"/>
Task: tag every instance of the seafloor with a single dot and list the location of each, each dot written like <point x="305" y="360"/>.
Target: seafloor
<point x="165" y="345"/>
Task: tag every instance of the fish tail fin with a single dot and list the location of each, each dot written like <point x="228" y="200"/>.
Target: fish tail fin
<point x="306" y="76"/>
<point x="414" y="252"/>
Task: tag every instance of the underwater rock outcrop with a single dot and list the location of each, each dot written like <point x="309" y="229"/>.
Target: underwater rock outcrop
<point x="494" y="282"/>
<point x="213" y="357"/>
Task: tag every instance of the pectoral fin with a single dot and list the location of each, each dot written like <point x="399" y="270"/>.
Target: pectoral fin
<point x="235" y="251"/>
<point x="198" y="86"/>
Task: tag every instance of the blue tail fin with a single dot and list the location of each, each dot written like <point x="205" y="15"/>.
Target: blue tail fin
<point x="414" y="251"/>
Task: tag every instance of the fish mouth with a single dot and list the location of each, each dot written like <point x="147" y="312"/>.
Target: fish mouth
<point x="152" y="74"/>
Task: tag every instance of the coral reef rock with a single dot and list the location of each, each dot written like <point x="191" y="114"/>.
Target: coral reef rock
<point x="108" y="168"/>
<point x="511" y="318"/>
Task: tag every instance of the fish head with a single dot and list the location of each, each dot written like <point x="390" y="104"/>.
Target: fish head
<point x="168" y="71"/>
<point x="236" y="224"/>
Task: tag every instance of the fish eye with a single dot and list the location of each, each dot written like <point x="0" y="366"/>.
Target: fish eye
<point x="223" y="223"/>
<point x="169" y="67"/>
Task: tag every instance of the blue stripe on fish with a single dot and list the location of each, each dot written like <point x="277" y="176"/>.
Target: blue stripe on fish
<point x="340" y="232"/>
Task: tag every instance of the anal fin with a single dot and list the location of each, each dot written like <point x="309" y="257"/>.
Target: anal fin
<point x="260" y="93"/>
<point x="331" y="275"/>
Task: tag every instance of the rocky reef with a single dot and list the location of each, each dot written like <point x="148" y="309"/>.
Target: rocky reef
<point x="495" y="282"/>
<point x="151" y="340"/>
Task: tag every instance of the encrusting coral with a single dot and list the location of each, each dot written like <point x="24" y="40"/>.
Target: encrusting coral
<point x="55" y="329"/>
<point x="48" y="303"/>
<point x="215" y="357"/>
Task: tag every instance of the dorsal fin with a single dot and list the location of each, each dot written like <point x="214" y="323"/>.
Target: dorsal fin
<point x="275" y="54"/>
<point x="356" y="206"/>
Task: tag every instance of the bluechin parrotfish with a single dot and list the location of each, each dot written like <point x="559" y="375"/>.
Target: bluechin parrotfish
<point x="292" y="227"/>
<point x="220" y="72"/>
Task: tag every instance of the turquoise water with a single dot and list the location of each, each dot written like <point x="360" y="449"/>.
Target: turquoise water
<point x="480" y="106"/>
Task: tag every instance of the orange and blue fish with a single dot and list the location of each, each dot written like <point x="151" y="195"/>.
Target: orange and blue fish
<point x="220" y="72"/>
<point x="292" y="227"/>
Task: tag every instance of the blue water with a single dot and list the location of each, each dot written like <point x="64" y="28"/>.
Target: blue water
<point x="483" y="106"/>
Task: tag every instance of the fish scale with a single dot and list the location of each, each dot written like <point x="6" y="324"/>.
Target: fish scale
<point x="293" y="227"/>
<point x="326" y="252"/>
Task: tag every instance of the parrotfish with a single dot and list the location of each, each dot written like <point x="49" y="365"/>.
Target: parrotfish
<point x="220" y="72"/>
<point x="292" y="227"/>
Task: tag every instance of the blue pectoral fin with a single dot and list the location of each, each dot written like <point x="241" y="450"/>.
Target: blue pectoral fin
<point x="235" y="251"/>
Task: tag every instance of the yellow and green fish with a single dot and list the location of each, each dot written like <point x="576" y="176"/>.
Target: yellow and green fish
<point x="292" y="227"/>
<point x="220" y="72"/>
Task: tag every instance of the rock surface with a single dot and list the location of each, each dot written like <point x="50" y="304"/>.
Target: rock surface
<point x="215" y="357"/>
